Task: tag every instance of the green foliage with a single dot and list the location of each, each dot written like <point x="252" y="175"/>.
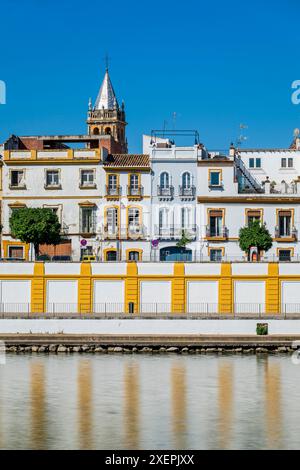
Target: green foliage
<point x="35" y="225"/>
<point x="183" y="241"/>
<point x="255" y="235"/>
<point x="262" y="329"/>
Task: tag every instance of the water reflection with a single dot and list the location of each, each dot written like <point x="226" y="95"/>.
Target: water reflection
<point x="178" y="398"/>
<point x="132" y="402"/>
<point x="131" y="406"/>
<point x="225" y="402"/>
<point x="85" y="403"/>
<point x="273" y="411"/>
<point x="38" y="405"/>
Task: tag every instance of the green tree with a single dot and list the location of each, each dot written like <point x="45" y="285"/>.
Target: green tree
<point x="35" y="225"/>
<point x="183" y="241"/>
<point x="255" y="235"/>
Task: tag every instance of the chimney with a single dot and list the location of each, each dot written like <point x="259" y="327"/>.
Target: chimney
<point x="267" y="185"/>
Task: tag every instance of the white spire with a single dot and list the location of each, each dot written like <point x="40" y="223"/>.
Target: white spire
<point x="106" y="97"/>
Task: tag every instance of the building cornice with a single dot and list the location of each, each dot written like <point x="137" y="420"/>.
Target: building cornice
<point x="248" y="200"/>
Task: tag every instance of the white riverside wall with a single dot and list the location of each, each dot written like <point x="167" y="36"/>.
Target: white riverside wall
<point x="148" y="327"/>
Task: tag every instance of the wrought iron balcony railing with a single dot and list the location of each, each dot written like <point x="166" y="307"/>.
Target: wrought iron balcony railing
<point x="175" y="232"/>
<point x="124" y="232"/>
<point x="216" y="232"/>
<point x="292" y="233"/>
<point x="185" y="191"/>
<point x="113" y="191"/>
<point x="135" y="191"/>
<point x="165" y="191"/>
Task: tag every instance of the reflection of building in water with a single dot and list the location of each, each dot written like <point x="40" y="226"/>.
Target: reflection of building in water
<point x="38" y="405"/>
<point x="84" y="407"/>
<point x="178" y="394"/>
<point x="273" y="411"/>
<point x="131" y="406"/>
<point x="225" y="402"/>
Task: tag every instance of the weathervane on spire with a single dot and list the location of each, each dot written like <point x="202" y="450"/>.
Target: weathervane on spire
<point x="106" y="59"/>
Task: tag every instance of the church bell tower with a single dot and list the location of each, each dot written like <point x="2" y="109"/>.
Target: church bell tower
<point x="106" y="117"/>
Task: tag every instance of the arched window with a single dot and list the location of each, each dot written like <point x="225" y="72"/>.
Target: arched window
<point x="111" y="255"/>
<point x="107" y="131"/>
<point x="96" y="131"/>
<point x="112" y="220"/>
<point x="186" y="180"/>
<point x="164" y="180"/>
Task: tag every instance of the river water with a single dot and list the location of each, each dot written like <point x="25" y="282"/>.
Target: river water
<point x="152" y="402"/>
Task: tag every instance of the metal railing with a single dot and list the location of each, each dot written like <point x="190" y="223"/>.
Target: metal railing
<point x="165" y="191"/>
<point x="113" y="191"/>
<point x="124" y="232"/>
<point x="187" y="191"/>
<point x="216" y="232"/>
<point x="143" y="310"/>
<point x="137" y="191"/>
<point x="175" y="231"/>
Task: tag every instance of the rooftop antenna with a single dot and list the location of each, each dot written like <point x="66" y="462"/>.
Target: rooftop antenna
<point x="174" y="115"/>
<point x="242" y="138"/>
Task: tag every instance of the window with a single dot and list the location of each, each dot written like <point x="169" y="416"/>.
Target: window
<point x="252" y="216"/>
<point x="215" y="223"/>
<point x="185" y="217"/>
<point x="290" y="162"/>
<point x="164" y="180"/>
<point x="258" y="163"/>
<point x="215" y="254"/>
<point x="284" y="255"/>
<point x="87" y="220"/>
<point x="52" y="178"/>
<point x="87" y="178"/>
<point x="251" y="162"/>
<point x="112" y="220"/>
<point x="284" y="223"/>
<point x="215" y="178"/>
<point x="186" y="180"/>
<point x="113" y="189"/>
<point x="133" y="256"/>
<point x="283" y="163"/>
<point x="134" y="187"/>
<point x="111" y="255"/>
<point x="17" y="179"/>
<point x="133" y="217"/>
<point x="16" y="252"/>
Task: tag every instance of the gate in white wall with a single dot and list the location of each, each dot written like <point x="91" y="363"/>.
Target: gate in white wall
<point x="108" y="296"/>
<point x="62" y="296"/>
<point x="15" y="296"/>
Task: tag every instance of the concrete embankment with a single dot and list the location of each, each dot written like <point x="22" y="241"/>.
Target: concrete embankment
<point x="183" y="344"/>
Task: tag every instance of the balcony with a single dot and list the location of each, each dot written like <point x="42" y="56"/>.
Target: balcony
<point x="124" y="232"/>
<point x="165" y="192"/>
<point x="287" y="235"/>
<point x="216" y="233"/>
<point x="114" y="192"/>
<point x="187" y="192"/>
<point x="135" y="192"/>
<point x="175" y="232"/>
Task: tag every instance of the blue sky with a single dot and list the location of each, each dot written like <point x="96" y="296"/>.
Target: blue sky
<point x="216" y="64"/>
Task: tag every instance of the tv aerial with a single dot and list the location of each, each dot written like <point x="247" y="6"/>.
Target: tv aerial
<point x="242" y="138"/>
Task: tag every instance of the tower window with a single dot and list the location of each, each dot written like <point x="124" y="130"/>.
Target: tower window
<point x="96" y="131"/>
<point x="107" y="131"/>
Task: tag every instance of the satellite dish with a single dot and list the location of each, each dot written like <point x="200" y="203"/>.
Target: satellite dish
<point x="296" y="132"/>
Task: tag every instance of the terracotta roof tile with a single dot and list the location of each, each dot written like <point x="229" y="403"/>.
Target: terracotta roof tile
<point x="127" y="161"/>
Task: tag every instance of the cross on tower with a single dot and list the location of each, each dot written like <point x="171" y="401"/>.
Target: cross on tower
<point x="106" y="59"/>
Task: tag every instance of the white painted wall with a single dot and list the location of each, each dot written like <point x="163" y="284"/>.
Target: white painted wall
<point x="155" y="292"/>
<point x="151" y="327"/>
<point x="109" y="296"/>
<point x="202" y="296"/>
<point x="62" y="296"/>
<point x="249" y="296"/>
